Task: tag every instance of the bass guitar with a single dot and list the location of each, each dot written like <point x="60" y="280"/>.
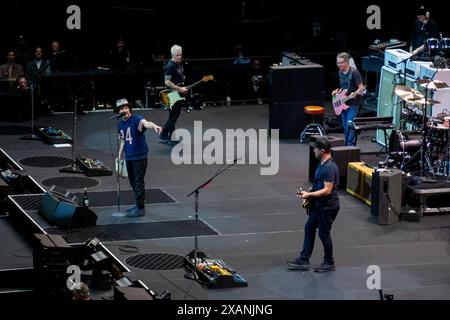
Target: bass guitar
<point x="170" y="97"/>
<point x="339" y="99"/>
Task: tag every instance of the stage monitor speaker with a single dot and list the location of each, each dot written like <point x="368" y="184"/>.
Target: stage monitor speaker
<point x="313" y="162"/>
<point x="289" y="117"/>
<point x="60" y="211"/>
<point x="296" y="83"/>
<point x="343" y="155"/>
<point x="291" y="88"/>
<point x="387" y="195"/>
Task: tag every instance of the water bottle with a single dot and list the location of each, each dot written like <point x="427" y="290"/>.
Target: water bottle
<point x="85" y="198"/>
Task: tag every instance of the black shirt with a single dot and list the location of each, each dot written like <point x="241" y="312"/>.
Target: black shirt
<point x="175" y="70"/>
<point x="350" y="81"/>
<point x="327" y="172"/>
<point x="422" y="32"/>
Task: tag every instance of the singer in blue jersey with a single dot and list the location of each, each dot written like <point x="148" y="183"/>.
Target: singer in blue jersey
<point x="133" y="147"/>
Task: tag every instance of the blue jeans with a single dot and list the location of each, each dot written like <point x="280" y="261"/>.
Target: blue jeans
<point x="136" y="174"/>
<point x="322" y="219"/>
<point x="346" y="116"/>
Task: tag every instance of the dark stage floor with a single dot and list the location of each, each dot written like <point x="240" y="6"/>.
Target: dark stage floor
<point x="258" y="220"/>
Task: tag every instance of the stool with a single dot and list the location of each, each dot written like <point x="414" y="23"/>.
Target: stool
<point x="313" y="128"/>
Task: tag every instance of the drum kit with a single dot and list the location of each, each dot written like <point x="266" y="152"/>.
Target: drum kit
<point x="425" y="146"/>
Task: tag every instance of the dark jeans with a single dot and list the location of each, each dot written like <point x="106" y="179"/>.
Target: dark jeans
<point x="323" y="219"/>
<point x="136" y="174"/>
<point x="174" y="114"/>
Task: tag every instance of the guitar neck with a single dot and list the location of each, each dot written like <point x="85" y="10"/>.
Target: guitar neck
<point x="194" y="84"/>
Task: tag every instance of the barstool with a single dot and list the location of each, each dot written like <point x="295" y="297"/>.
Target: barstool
<point x="313" y="128"/>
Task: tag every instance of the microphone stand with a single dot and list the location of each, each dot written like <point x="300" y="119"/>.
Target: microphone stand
<point x="192" y="275"/>
<point x="119" y="170"/>
<point x="33" y="81"/>
<point x="74" y="168"/>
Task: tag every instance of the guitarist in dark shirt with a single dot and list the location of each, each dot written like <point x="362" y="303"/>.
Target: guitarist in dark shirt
<point x="324" y="207"/>
<point x="173" y="75"/>
<point x="350" y="79"/>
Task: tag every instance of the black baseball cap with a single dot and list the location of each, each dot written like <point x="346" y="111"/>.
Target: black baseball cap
<point x="323" y="143"/>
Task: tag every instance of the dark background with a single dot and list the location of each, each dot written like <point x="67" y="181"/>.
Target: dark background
<point x="208" y="32"/>
<point x="208" y="29"/>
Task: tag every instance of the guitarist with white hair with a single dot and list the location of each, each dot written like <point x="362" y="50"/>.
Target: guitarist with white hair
<point x="350" y="84"/>
<point x="173" y="75"/>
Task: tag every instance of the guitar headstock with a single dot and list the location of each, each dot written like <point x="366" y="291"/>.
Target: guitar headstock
<point x="207" y="78"/>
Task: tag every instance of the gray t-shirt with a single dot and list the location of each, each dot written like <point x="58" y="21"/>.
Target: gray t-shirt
<point x="350" y="81"/>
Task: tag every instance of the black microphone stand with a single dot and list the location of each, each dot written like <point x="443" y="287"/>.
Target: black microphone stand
<point x="192" y="275"/>
<point x="119" y="171"/>
<point x="74" y="168"/>
<point x="33" y="82"/>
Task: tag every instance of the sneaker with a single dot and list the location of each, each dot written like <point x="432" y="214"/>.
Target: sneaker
<point x="325" y="267"/>
<point x="131" y="209"/>
<point x="137" y="212"/>
<point x="298" y="264"/>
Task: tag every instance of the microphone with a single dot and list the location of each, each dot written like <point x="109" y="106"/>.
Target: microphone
<point x="117" y="116"/>
<point x="59" y="52"/>
<point x="102" y="68"/>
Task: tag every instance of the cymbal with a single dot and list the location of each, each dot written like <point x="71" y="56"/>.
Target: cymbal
<point x="432" y="84"/>
<point x="407" y="94"/>
<point x="422" y="101"/>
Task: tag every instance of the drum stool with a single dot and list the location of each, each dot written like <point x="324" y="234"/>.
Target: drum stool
<point x="313" y="128"/>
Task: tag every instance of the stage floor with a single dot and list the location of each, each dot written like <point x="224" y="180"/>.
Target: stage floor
<point x="257" y="219"/>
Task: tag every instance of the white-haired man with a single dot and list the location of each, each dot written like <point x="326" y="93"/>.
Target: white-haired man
<point x="173" y="78"/>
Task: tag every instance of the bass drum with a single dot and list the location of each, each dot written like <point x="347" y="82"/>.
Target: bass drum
<point x="407" y="142"/>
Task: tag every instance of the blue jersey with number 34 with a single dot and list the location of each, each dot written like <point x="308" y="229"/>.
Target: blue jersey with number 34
<point x="135" y="144"/>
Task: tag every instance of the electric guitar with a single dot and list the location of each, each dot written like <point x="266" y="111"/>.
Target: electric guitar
<point x="339" y="99"/>
<point x="170" y="97"/>
<point x="306" y="204"/>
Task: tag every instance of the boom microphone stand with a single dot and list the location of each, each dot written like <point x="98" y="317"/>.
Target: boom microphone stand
<point x="192" y="275"/>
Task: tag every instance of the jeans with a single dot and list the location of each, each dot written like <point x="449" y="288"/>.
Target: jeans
<point x="136" y="174"/>
<point x="322" y="219"/>
<point x="174" y="114"/>
<point x="346" y="116"/>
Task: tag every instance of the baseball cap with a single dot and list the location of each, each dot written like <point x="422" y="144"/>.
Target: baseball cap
<point x="121" y="102"/>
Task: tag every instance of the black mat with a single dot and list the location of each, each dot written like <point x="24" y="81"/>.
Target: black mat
<point x="136" y="231"/>
<point x="70" y="182"/>
<point x="46" y="162"/>
<point x="14" y="130"/>
<point x="109" y="198"/>
<point x="156" y="261"/>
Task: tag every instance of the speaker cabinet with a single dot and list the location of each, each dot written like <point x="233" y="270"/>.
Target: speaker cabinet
<point x="343" y="155"/>
<point x="359" y="181"/>
<point x="387" y="195"/>
<point x="60" y="211"/>
<point x="291" y="88"/>
<point x="313" y="162"/>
